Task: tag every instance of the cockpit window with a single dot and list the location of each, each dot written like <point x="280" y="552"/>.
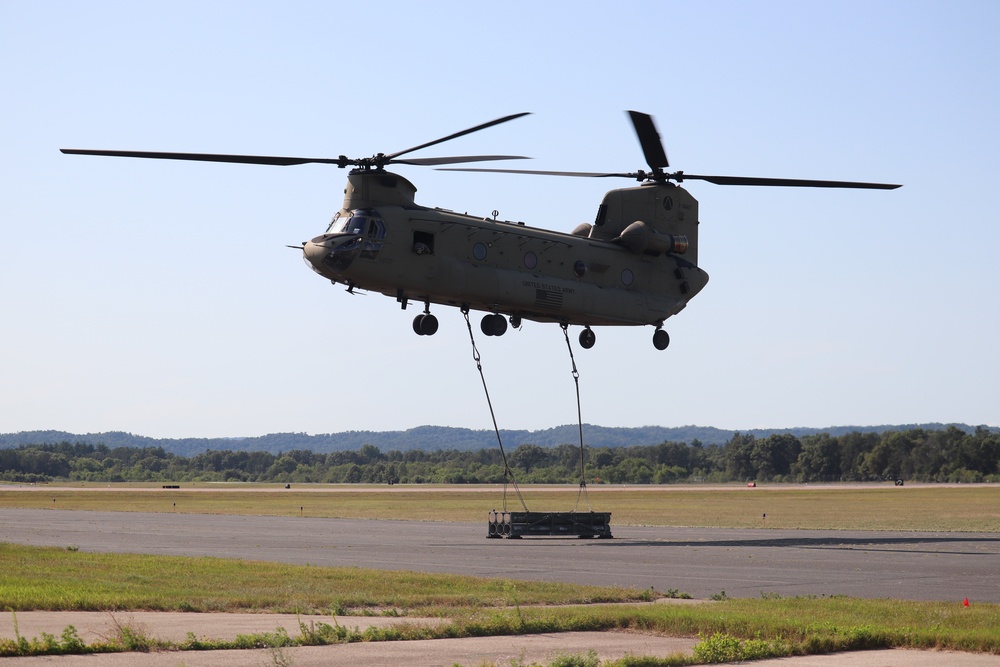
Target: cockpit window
<point x="333" y="223"/>
<point x="361" y="221"/>
<point x="357" y="223"/>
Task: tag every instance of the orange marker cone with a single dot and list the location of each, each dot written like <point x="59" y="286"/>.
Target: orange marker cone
<point x="965" y="602"/>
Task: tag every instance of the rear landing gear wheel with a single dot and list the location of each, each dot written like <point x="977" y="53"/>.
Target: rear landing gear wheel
<point x="425" y="325"/>
<point x="494" y="325"/>
<point x="661" y="339"/>
<point x="587" y="338"/>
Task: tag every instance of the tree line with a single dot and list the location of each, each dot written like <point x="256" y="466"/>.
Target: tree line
<point x="948" y="455"/>
<point x="443" y="437"/>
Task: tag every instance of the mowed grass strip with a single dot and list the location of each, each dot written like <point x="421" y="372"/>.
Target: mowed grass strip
<point x="48" y="578"/>
<point x="974" y="508"/>
<point x="794" y="626"/>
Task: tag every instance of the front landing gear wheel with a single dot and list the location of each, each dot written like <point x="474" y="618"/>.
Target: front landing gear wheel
<point x="425" y="325"/>
<point x="661" y="339"/>
<point x="587" y="338"/>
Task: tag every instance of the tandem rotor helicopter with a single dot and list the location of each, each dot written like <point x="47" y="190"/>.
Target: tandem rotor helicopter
<point x="635" y="265"/>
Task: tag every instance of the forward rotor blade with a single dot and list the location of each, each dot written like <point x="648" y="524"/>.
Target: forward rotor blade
<point x="649" y="139"/>
<point x="781" y="182"/>
<point x="207" y="157"/>
<point x="432" y="161"/>
<point x="392" y="156"/>
<point x="584" y="174"/>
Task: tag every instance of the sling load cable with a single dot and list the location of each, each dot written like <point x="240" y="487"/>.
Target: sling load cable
<point x="508" y="474"/>
<point x="579" y="421"/>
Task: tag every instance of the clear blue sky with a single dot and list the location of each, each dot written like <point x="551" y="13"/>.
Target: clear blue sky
<point x="158" y="297"/>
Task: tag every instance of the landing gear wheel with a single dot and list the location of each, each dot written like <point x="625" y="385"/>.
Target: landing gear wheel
<point x="425" y="325"/>
<point x="587" y="338"/>
<point x="661" y="339"/>
<point x="494" y="325"/>
<point x="515" y="321"/>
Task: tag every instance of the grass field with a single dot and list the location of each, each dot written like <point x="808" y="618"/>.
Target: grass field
<point x="872" y="507"/>
<point x="52" y="578"/>
<point x="64" y="580"/>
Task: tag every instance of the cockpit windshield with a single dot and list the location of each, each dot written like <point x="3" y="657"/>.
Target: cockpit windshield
<point x="333" y="223"/>
<point x="361" y="221"/>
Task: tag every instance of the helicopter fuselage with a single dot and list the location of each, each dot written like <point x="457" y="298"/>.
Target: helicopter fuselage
<point x="611" y="273"/>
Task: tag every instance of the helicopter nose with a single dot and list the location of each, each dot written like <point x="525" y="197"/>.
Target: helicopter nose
<point x="331" y="252"/>
<point x="314" y="251"/>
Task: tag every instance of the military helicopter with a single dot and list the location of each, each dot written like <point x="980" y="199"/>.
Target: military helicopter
<point x="635" y="265"/>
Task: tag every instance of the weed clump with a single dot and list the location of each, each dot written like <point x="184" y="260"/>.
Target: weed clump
<point x="722" y="647"/>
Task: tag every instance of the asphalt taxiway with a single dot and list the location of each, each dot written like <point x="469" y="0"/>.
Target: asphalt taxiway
<point x="699" y="561"/>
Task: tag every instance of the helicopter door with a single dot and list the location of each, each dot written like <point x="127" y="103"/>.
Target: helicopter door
<point x="374" y="235"/>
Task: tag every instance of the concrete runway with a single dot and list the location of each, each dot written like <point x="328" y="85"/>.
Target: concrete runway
<point x="698" y="561"/>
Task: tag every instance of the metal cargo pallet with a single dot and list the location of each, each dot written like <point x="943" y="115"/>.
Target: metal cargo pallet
<point x="514" y="525"/>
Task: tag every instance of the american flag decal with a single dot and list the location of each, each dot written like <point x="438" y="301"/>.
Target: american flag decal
<point x="546" y="298"/>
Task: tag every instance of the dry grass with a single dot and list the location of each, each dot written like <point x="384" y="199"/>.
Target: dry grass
<point x="860" y="507"/>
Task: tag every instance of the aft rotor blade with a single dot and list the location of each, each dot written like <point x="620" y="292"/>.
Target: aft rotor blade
<point x="781" y="182"/>
<point x="207" y="157"/>
<point x="433" y="161"/>
<point x="649" y="139"/>
<point x="392" y="156"/>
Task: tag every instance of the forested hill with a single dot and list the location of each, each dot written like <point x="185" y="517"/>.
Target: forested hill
<point x="431" y="438"/>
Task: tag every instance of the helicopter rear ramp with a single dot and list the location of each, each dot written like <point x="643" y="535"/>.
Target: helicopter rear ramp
<point x="515" y="525"/>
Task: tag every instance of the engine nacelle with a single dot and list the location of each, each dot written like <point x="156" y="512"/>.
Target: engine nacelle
<point x="640" y="237"/>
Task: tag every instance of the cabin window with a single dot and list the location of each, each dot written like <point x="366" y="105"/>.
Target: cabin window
<point x="627" y="277"/>
<point x="530" y="260"/>
<point x="479" y="251"/>
<point x="423" y="243"/>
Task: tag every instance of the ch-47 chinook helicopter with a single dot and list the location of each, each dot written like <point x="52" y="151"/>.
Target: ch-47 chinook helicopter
<point x="637" y="264"/>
